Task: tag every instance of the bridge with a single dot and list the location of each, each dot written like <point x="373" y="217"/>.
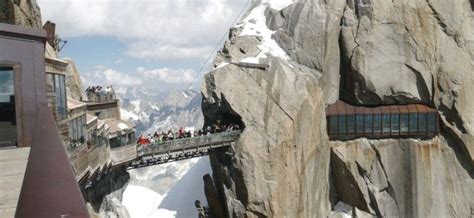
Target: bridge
<point x="180" y="149"/>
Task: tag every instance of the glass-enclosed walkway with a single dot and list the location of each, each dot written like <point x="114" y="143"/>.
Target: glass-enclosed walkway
<point x="395" y="121"/>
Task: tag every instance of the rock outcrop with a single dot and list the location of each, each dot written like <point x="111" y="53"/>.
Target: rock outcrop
<point x="20" y="12"/>
<point x="104" y="194"/>
<point x="75" y="89"/>
<point x="274" y="169"/>
<point x="365" y="52"/>
<point x="402" y="178"/>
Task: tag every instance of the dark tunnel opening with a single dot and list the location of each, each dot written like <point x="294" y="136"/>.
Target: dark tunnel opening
<point x="221" y="114"/>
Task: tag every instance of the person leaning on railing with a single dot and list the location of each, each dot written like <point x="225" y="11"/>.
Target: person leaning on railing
<point x="182" y="133"/>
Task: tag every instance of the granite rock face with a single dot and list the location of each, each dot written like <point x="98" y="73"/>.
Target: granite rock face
<point x="75" y="89"/>
<point x="402" y="178"/>
<point x="20" y="12"/>
<point x="365" y="52"/>
<point x="274" y="169"/>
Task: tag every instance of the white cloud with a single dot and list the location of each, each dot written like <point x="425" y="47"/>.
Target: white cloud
<point x="146" y="78"/>
<point x="143" y="50"/>
<point x="109" y="77"/>
<point x="167" y="75"/>
<point x="152" y="29"/>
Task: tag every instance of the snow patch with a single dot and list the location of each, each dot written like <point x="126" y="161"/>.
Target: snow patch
<point x="279" y="4"/>
<point x="127" y="115"/>
<point x="154" y="107"/>
<point x="344" y="209"/>
<point x="143" y="202"/>
<point x="167" y="190"/>
<point x="184" y="94"/>
<point x="222" y="64"/>
<point x="251" y="60"/>
<point x="255" y="25"/>
<point x="136" y="104"/>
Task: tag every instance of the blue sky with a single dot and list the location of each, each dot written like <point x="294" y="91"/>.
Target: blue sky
<point x="91" y="52"/>
<point x="146" y="43"/>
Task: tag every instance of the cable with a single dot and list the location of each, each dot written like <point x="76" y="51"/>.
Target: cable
<point x="211" y="55"/>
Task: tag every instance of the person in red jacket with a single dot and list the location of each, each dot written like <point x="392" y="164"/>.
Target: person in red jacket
<point x="143" y="141"/>
<point x="181" y="133"/>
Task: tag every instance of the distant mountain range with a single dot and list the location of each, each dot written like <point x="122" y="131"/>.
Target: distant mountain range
<point x="153" y="110"/>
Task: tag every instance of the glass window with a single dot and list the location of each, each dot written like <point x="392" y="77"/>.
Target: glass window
<point x="332" y="125"/>
<point x="431" y="122"/>
<point x="95" y="138"/>
<point x="60" y="92"/>
<point x="342" y="125"/>
<point x="124" y="138"/>
<point x="115" y="142"/>
<point x="413" y="122"/>
<point x="421" y="122"/>
<point x="386" y="123"/>
<point x="101" y="140"/>
<point x="368" y="124"/>
<point x="50" y="82"/>
<point x="6" y="85"/>
<point x="8" y="134"/>
<point x="395" y="123"/>
<point x="404" y="123"/>
<point x="377" y="123"/>
<point x="131" y="138"/>
<point x="77" y="131"/>
<point x="351" y="124"/>
<point x="360" y="124"/>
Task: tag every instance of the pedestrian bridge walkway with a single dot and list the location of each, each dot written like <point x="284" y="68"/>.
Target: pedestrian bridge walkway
<point x="180" y="149"/>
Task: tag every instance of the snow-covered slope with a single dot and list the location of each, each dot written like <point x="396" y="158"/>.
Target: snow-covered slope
<point x="167" y="190"/>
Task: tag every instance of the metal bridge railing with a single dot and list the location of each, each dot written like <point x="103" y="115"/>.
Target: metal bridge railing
<point x="188" y="143"/>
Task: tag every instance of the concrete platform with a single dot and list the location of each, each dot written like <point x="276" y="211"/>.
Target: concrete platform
<point x="12" y="169"/>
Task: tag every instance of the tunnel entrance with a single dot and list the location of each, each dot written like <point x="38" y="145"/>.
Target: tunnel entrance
<point x="221" y="115"/>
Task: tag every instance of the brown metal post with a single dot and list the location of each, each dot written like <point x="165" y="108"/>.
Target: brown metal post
<point x="49" y="188"/>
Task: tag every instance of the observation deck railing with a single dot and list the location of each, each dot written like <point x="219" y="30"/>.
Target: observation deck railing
<point x="180" y="145"/>
<point x="179" y="149"/>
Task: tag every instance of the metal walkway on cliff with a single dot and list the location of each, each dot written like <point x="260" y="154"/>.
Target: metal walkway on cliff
<point x="180" y="149"/>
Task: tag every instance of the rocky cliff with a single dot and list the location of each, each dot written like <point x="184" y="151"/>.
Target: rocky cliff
<point x="20" y="12"/>
<point x="365" y="52"/>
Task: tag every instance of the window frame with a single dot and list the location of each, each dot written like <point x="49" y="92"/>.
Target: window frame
<point x="413" y="123"/>
<point x="360" y="124"/>
<point x="377" y="124"/>
<point x="342" y="125"/>
<point x="407" y="123"/>
<point x="428" y="123"/>
<point x="351" y="124"/>
<point x="368" y="119"/>
<point x="333" y="129"/>
<point x="422" y="122"/>
<point x="16" y="70"/>
<point x="386" y="124"/>
<point x="113" y="142"/>
<point x="395" y="124"/>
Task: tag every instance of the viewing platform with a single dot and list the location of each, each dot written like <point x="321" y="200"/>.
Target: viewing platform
<point x="345" y="121"/>
<point x="179" y="149"/>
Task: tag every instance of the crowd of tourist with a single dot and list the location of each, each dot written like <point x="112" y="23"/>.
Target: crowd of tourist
<point x="99" y="93"/>
<point x="161" y="137"/>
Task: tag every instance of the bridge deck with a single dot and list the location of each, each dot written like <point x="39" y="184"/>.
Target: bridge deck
<point x="158" y="153"/>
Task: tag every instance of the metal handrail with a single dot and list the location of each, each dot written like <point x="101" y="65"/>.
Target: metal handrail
<point x="189" y="143"/>
<point x="49" y="187"/>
